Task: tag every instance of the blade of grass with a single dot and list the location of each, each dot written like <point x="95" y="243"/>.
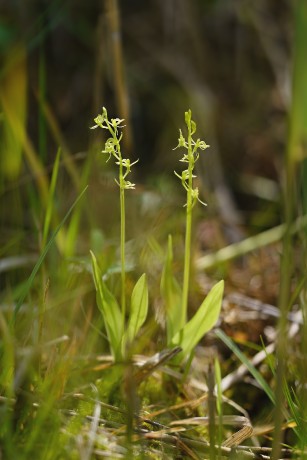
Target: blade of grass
<point x="13" y="98"/>
<point x="172" y="295"/>
<point x="7" y="359"/>
<point x="51" y="197"/>
<point x="43" y="255"/>
<point x="255" y="373"/>
<point x="74" y="224"/>
<point x="211" y="410"/>
<point x="17" y="129"/>
<point x="219" y="402"/>
<point x="249" y="244"/>
<point x="68" y="159"/>
<point x="42" y="131"/>
<point x="295" y="153"/>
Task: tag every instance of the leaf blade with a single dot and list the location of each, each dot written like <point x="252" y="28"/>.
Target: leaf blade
<point x="172" y="295"/>
<point x="43" y="255"/>
<point x="138" y="308"/>
<point x="203" y="320"/>
<point x="244" y="360"/>
<point x="109" y="309"/>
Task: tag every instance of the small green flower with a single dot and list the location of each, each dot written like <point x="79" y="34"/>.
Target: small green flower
<point x="116" y="122"/>
<point x="126" y="164"/>
<point x="195" y="197"/>
<point x="102" y="121"/>
<point x="129" y="185"/>
<point x="112" y="147"/>
<point x="202" y="144"/>
<point x="98" y="120"/>
<point x="190" y="157"/>
<point x="181" y="141"/>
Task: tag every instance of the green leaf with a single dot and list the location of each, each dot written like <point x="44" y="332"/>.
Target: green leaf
<point x="244" y="360"/>
<point x="203" y="320"/>
<point x="13" y="101"/>
<point x="43" y="255"/>
<point x="138" y="309"/>
<point x="218" y="380"/>
<point x="297" y="120"/>
<point x="172" y="296"/>
<point x="51" y="200"/>
<point x="110" y="311"/>
<point x="188" y="117"/>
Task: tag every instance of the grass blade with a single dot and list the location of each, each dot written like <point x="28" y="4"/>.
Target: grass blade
<point x="51" y="197"/>
<point x="250" y="244"/>
<point x="43" y="255"/>
<point x="172" y="296"/>
<point x="255" y="373"/>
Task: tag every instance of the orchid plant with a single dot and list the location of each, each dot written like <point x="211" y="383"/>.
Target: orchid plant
<point x="180" y="332"/>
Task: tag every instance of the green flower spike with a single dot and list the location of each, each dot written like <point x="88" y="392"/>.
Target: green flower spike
<point x="113" y="149"/>
<point x="190" y="157"/>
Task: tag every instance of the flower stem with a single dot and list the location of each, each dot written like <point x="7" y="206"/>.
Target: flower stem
<point x="122" y="244"/>
<point x="188" y="232"/>
<point x="112" y="148"/>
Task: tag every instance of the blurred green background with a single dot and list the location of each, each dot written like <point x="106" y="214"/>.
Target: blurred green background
<point x="241" y="67"/>
<point x="231" y="62"/>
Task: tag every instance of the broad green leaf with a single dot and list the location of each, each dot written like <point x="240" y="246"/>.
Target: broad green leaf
<point x="110" y="311"/>
<point x="203" y="320"/>
<point x="138" y="308"/>
<point x="172" y="296"/>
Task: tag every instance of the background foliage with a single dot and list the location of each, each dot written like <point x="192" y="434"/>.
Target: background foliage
<point x="240" y="66"/>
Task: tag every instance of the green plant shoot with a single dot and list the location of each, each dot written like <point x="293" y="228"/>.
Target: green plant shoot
<point x="113" y="148"/>
<point x="120" y="335"/>
<point x="188" y="334"/>
<point x="110" y="311"/>
<point x="192" y="194"/>
<point x="172" y="296"/>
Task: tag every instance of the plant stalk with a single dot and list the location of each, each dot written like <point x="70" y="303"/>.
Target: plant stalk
<point x="188" y="232"/>
<point x="296" y="136"/>
<point x="122" y="244"/>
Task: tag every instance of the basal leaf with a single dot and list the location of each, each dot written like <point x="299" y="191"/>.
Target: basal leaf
<point x="203" y="320"/>
<point x="110" y="311"/>
<point x="172" y="296"/>
<point x="138" y="308"/>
